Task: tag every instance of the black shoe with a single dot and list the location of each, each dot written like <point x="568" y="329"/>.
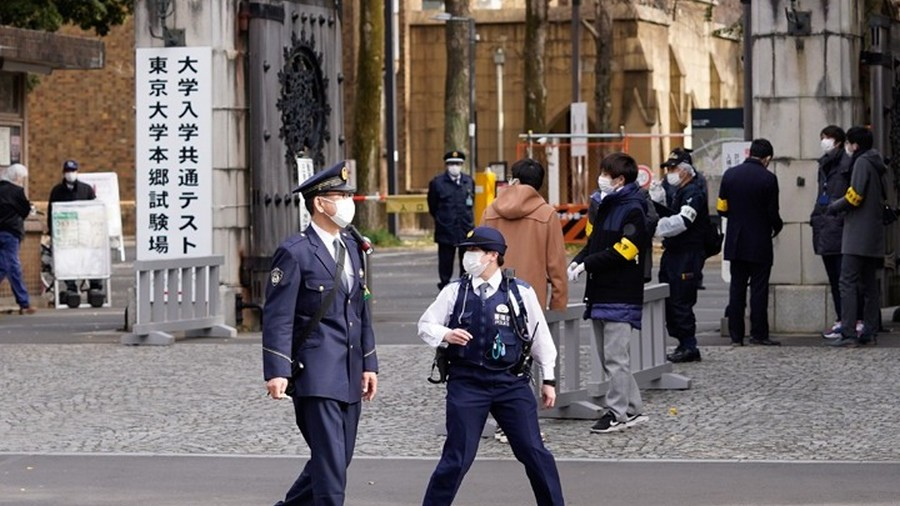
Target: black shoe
<point x="679" y="356"/>
<point x="608" y="423"/>
<point x="735" y="344"/>
<point x="764" y="342"/>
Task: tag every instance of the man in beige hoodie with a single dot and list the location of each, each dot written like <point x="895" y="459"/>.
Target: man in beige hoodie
<point x="533" y="232"/>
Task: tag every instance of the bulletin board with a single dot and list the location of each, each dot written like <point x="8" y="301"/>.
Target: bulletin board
<point x="106" y="186"/>
<point x="80" y="240"/>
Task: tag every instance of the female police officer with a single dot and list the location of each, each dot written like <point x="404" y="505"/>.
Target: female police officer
<point x="486" y="320"/>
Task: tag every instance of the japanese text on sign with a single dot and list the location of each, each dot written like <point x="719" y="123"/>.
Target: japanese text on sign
<point x="174" y="152"/>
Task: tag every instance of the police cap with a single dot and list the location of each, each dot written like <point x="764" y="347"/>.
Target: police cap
<point x="486" y="238"/>
<point x="677" y="157"/>
<point x="333" y="179"/>
<point x="454" y="157"/>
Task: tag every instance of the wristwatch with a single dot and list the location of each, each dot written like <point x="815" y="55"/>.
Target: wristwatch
<point x="551" y="383"/>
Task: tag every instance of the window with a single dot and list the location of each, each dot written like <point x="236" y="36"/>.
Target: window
<point x="10" y="93"/>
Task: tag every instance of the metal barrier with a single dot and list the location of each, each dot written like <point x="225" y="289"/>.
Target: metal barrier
<point x="174" y="295"/>
<point x="575" y="400"/>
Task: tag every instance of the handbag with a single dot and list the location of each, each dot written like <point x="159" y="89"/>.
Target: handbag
<point x="888" y="213"/>
<point x="712" y="239"/>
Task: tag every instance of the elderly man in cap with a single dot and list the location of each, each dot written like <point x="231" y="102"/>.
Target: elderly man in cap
<point x="451" y="197"/>
<point x="684" y="217"/>
<point x="68" y="190"/>
<point x="14" y="208"/>
<point x="491" y="324"/>
<point x="318" y="344"/>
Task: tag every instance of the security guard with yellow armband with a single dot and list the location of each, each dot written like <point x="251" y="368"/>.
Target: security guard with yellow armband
<point x="684" y="217"/>
<point x="490" y="323"/>
<point x="748" y="198"/>
<point x="318" y="344"/>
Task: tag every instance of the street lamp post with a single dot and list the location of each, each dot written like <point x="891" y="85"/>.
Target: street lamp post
<point x="473" y="38"/>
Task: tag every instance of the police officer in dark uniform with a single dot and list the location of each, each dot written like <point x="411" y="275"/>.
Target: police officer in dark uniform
<point x="451" y="197"/>
<point x="748" y="197"/>
<point x="486" y="320"/>
<point x="318" y="344"/>
<point x="683" y="219"/>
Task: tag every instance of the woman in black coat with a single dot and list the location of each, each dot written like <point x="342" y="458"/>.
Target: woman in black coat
<point x="833" y="181"/>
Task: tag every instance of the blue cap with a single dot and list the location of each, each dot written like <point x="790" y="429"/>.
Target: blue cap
<point x="486" y="238"/>
<point x="70" y="165"/>
<point x="333" y="179"/>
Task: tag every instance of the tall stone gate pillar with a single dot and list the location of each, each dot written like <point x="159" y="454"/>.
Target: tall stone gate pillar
<point x="806" y="76"/>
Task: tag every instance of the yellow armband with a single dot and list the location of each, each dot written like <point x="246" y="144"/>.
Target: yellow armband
<point x="721" y="205"/>
<point x="853" y="198"/>
<point x="626" y="248"/>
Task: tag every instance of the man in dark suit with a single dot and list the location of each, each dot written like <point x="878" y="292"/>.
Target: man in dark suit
<point x="748" y="197"/>
<point x="318" y="344"/>
<point x="451" y="197"/>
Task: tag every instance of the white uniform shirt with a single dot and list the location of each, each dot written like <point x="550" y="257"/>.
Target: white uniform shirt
<point x="328" y="239"/>
<point x="433" y="323"/>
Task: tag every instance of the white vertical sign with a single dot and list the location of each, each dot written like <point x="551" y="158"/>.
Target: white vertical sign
<point x="173" y="95"/>
<point x="579" y="128"/>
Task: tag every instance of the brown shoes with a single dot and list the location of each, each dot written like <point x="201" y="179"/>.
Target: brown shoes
<point x="26" y="310"/>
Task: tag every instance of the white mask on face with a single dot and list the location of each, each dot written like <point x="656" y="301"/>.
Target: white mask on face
<point x="673" y="178"/>
<point x="850" y="149"/>
<point x="345" y="209"/>
<point x="472" y="263"/>
<point x="827" y="145"/>
<point x="454" y="169"/>
<point x="605" y="184"/>
<point x="70" y="177"/>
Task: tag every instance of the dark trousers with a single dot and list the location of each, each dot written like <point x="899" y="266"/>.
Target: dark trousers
<point x="833" y="269"/>
<point x="329" y="428"/>
<point x="446" y="254"/>
<point x="472" y="393"/>
<point x="859" y="276"/>
<point x="756" y="275"/>
<point x="681" y="270"/>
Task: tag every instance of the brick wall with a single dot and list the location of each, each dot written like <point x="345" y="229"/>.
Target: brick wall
<point x="88" y="116"/>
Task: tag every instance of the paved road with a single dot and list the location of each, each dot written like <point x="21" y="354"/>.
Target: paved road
<point x="92" y="422"/>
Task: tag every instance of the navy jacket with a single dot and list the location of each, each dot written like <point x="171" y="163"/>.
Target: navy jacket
<point x="748" y="197"/>
<point x="833" y="181"/>
<point x="62" y="193"/>
<point x="342" y="345"/>
<point x="450" y="205"/>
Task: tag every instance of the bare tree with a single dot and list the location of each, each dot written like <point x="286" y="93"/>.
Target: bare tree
<point x="456" y="98"/>
<point x="367" y="108"/>
<point x="603" y="64"/>
<point x="535" y="41"/>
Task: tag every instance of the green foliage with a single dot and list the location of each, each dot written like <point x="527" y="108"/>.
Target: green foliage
<point x="50" y="15"/>
<point x="381" y="237"/>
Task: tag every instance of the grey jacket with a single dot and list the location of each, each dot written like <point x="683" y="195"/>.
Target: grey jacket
<point x="862" y="205"/>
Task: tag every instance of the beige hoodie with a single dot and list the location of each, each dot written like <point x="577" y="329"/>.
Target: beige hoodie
<point x="534" y="239"/>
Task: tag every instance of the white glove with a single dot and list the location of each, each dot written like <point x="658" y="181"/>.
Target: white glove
<point x="657" y="192"/>
<point x="574" y="270"/>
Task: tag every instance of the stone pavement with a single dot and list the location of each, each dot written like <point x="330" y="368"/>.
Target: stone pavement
<point x="753" y="403"/>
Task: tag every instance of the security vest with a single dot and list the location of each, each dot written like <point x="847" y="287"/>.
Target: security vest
<point x="497" y="324"/>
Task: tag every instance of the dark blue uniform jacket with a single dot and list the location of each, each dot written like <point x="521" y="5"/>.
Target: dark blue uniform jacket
<point x="748" y="197"/>
<point x="450" y="205"/>
<point x="342" y="345"/>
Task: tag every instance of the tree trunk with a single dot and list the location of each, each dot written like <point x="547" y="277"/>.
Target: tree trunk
<point x="603" y="65"/>
<point x="456" y="97"/>
<point x="367" y="110"/>
<point x="535" y="41"/>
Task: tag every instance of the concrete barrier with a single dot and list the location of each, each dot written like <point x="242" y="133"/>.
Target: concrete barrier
<point x="581" y="399"/>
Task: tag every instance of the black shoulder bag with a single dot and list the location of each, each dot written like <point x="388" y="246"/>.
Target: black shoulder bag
<point x="296" y="365"/>
<point x="888" y="213"/>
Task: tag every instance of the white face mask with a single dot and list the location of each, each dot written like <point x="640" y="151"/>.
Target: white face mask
<point x="605" y="185"/>
<point x="673" y="178"/>
<point x="472" y="263"/>
<point x="345" y="209"/>
<point x="454" y="169"/>
<point x="849" y="149"/>
<point x="70" y="177"/>
<point x="827" y="145"/>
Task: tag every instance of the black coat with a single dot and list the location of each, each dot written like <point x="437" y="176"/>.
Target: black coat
<point x="748" y="197"/>
<point x="450" y="205"/>
<point x="833" y="181"/>
<point x="14" y="208"/>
